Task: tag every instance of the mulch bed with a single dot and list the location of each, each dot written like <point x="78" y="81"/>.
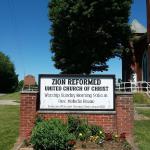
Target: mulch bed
<point x="107" y="145"/>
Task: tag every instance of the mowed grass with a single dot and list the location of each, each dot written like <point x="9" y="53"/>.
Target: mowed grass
<point x="9" y="126"/>
<point x="142" y="134"/>
<point x="142" y="130"/>
<point x="141" y="98"/>
<point x="143" y="111"/>
<point x="11" y="96"/>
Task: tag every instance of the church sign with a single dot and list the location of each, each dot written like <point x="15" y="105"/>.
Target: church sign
<point x="77" y="92"/>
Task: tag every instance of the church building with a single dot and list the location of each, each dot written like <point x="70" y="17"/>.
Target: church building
<point x="139" y="69"/>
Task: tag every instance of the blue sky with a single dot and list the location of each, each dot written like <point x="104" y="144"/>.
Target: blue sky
<point x="24" y="37"/>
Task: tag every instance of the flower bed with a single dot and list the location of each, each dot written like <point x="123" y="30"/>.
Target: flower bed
<point x="74" y="135"/>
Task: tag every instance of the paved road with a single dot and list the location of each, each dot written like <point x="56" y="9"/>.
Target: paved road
<point x="8" y="102"/>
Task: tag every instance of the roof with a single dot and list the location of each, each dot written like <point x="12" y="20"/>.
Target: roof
<point x="137" y="27"/>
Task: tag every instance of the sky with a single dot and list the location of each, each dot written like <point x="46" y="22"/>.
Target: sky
<point x="24" y="37"/>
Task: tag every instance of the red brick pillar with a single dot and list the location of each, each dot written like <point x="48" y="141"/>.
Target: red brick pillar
<point x="28" y="107"/>
<point x="125" y="114"/>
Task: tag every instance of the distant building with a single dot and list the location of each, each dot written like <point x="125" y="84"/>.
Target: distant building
<point x="29" y="81"/>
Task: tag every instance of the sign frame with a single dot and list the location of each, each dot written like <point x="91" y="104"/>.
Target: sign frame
<point x="110" y="76"/>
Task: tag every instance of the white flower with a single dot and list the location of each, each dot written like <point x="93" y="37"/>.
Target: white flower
<point x="80" y="134"/>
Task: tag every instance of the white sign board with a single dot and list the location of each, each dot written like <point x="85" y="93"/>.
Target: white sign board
<point x="64" y="92"/>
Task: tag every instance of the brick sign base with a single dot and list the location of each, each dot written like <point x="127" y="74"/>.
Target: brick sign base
<point x="119" y="121"/>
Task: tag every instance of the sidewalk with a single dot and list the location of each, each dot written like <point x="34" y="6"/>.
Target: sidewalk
<point x="1" y="94"/>
<point x="8" y="102"/>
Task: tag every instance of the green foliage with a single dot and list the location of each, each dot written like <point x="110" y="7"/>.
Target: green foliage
<point x="95" y="129"/>
<point x="126" y="146"/>
<point x="20" y="85"/>
<point x="51" y="134"/>
<point x="8" y="77"/>
<point x="9" y="126"/>
<point x="39" y="119"/>
<point x="78" y="126"/>
<point x="85" y="33"/>
<point x="143" y="111"/>
<point x="98" y="135"/>
<point x="83" y="131"/>
<point x="73" y="123"/>
<point x="11" y="96"/>
<point x="141" y="98"/>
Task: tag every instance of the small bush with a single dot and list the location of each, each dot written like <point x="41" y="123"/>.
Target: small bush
<point x="83" y="131"/>
<point x="95" y="129"/>
<point x="98" y="134"/>
<point x="38" y="119"/>
<point x="85" y="134"/>
<point x="78" y="127"/>
<point x="73" y="123"/>
<point x="141" y="98"/>
<point x="51" y="135"/>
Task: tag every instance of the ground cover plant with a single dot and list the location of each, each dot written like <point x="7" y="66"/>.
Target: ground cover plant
<point x="142" y="134"/>
<point x="141" y="98"/>
<point x="11" y="96"/>
<point x="141" y="130"/>
<point x="76" y="133"/>
<point x="9" y="123"/>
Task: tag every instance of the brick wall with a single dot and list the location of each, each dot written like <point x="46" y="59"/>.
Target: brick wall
<point x="120" y="121"/>
<point x="28" y="108"/>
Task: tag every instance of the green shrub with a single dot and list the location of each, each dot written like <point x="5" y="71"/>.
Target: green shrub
<point x="140" y="98"/>
<point x="84" y="132"/>
<point x="73" y="123"/>
<point x="38" y="119"/>
<point x="95" y="129"/>
<point x="51" y="135"/>
<point x="78" y="126"/>
<point x="98" y="133"/>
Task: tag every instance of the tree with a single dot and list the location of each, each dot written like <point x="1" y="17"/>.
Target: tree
<point x="85" y="34"/>
<point x="20" y="85"/>
<point x="8" y="77"/>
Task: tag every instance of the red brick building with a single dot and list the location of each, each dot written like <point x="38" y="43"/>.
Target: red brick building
<point x="139" y="63"/>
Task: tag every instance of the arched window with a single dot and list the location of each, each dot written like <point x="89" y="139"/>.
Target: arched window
<point x="145" y="66"/>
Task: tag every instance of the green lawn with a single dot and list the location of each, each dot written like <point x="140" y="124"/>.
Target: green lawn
<point x="145" y="112"/>
<point x="141" y="98"/>
<point x="9" y="124"/>
<point x="142" y="130"/>
<point x="142" y="134"/>
<point x="11" y="96"/>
